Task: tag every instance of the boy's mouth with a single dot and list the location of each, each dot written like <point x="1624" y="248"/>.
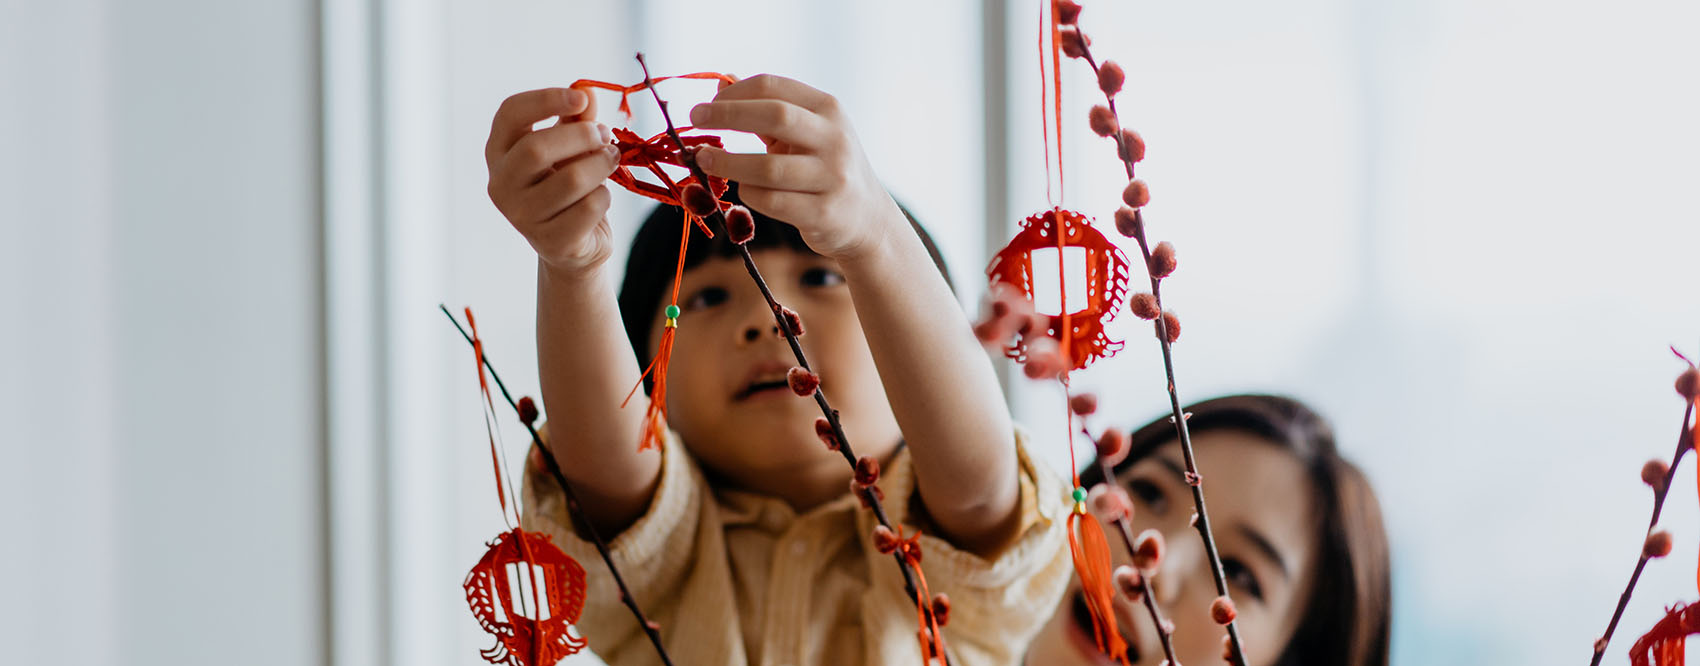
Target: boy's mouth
<point x="762" y="388"/>
<point x="764" y="380"/>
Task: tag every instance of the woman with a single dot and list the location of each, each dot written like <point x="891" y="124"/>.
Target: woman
<point x="1298" y="529"/>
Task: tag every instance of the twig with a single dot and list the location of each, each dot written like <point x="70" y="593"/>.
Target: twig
<point x="1684" y="442"/>
<point x="1164" y="634"/>
<point x="868" y="493"/>
<point x="652" y="629"/>
<point x="1194" y="479"/>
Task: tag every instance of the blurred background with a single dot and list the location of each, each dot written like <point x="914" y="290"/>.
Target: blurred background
<point x="234" y="427"/>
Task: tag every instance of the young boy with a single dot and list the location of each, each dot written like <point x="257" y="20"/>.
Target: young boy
<point x="741" y="538"/>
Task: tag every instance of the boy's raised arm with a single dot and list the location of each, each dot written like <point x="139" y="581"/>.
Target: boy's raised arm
<point x="941" y="387"/>
<point x="549" y="184"/>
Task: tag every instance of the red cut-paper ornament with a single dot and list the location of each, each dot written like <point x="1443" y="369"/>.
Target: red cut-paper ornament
<point x="524" y="591"/>
<point x="1665" y="644"/>
<point x="527" y="593"/>
<point x="650" y="155"/>
<point x="1106" y="282"/>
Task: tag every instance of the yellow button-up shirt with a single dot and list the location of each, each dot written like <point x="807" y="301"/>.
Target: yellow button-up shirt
<point x="739" y="578"/>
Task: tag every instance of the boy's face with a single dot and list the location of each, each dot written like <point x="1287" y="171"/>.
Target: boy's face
<point x="727" y="395"/>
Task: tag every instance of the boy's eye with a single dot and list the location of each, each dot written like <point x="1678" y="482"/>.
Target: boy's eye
<point x="706" y="297"/>
<point x="1149" y="494"/>
<point x="1240" y="575"/>
<point x="821" y="277"/>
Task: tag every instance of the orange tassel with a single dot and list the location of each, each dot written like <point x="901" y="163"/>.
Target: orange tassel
<point x="654" y="420"/>
<point x="1091" y="553"/>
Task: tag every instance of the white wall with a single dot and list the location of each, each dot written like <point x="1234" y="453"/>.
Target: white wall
<point x="161" y="445"/>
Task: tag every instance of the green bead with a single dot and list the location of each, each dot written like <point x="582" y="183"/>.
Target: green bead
<point x="672" y="312"/>
<point x="1079" y="494"/>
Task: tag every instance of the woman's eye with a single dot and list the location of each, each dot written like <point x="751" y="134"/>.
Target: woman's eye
<point x="822" y="277"/>
<point x="1148" y="493"/>
<point x="706" y="298"/>
<point x="1239" y="575"/>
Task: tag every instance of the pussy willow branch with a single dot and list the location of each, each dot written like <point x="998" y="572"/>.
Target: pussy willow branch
<point x="573" y="507"/>
<point x="1684" y="442"/>
<point x="1164" y="636"/>
<point x="1194" y="480"/>
<point x="689" y="159"/>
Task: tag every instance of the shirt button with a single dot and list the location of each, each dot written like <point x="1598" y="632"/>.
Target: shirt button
<point x="798" y="548"/>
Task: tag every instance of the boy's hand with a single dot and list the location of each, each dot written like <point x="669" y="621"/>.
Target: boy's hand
<point x="813" y="175"/>
<point x="548" y="182"/>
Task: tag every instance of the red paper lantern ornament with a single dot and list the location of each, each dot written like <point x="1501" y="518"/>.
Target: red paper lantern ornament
<point x="524" y="591"/>
<point x="527" y="593"/>
<point x="1106" y="282"/>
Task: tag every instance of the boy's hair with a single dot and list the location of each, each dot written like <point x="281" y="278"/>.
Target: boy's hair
<point x="655" y="250"/>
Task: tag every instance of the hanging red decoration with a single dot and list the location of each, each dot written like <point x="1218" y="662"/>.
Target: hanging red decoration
<point x="524" y="591"/>
<point x="1666" y="643"/>
<point x="527" y="593"/>
<point x="697" y="200"/>
<point x="1106" y="282"/>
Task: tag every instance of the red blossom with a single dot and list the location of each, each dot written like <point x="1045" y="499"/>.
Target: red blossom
<point x="1136" y="194"/>
<point x="1162" y="260"/>
<point x="1222" y="610"/>
<point x="1101" y="120"/>
<point x="1132" y="147"/>
<point x="1110" y="78"/>
<point x="802" y="381"/>
<point x="697" y="201"/>
<point x="1129" y="222"/>
<point x="740" y="225"/>
<point x="1144" y="306"/>
<point x="1148" y="551"/>
<point x="1172" y="324"/>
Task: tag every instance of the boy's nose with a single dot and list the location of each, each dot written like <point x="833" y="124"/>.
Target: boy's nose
<point x="753" y="333"/>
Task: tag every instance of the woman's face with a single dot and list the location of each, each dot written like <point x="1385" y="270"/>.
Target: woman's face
<point x="1261" y="507"/>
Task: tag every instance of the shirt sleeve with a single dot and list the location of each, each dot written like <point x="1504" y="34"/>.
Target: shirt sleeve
<point x="999" y="603"/>
<point x="672" y="548"/>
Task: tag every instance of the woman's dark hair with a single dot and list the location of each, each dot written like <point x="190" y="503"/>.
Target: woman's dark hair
<point x="655" y="250"/>
<point x="1349" y="616"/>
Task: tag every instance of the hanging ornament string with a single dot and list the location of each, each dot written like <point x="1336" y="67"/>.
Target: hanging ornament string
<point x="1088" y="546"/>
<point x="1050" y="110"/>
<point x="498" y="458"/>
<point x="696" y="199"/>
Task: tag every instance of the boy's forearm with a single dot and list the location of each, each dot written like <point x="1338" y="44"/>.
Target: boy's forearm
<point x="586" y="367"/>
<point x="941" y="387"/>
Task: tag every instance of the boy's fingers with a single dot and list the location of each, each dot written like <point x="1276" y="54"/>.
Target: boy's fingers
<point x="767" y="118"/>
<point x="569" y="227"/>
<point x="519" y="112"/>
<point x="531" y="158"/>
<point x="794" y="173"/>
<point x="565" y="187"/>
<point x="768" y="86"/>
<point x="778" y="204"/>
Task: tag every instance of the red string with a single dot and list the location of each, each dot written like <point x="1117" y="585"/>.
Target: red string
<point x="626" y="91"/>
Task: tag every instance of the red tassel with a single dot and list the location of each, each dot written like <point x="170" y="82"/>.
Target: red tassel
<point x="655" y="418"/>
<point x="1091" y="553"/>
